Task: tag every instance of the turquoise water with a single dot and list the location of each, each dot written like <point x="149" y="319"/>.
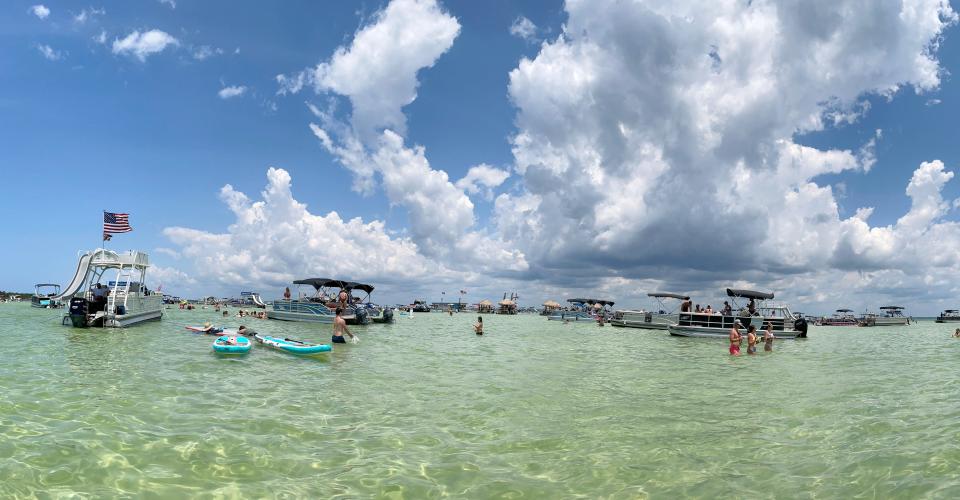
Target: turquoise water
<point x="424" y="408"/>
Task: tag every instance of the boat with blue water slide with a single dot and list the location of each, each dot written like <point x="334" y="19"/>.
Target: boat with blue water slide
<point x="582" y="310"/>
<point x="319" y="306"/>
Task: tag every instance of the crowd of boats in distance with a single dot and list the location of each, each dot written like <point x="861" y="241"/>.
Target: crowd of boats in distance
<point x="108" y="290"/>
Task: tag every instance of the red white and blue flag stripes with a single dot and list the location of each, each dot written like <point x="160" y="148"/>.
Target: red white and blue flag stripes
<point x="114" y="224"/>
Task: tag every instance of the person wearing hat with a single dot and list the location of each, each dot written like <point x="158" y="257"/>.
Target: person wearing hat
<point x="735" y="338"/>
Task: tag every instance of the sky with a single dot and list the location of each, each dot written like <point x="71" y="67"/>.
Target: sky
<point x="602" y="148"/>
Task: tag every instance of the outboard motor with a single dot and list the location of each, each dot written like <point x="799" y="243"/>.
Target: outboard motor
<point x="800" y="325"/>
<point x="78" y="312"/>
<point x="363" y="317"/>
<point x="388" y="315"/>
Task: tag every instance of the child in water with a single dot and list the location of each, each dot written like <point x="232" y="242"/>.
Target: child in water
<point x="478" y="326"/>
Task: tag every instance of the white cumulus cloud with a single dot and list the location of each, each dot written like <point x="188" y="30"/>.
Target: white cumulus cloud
<point x="41" y="11"/>
<point x="481" y="179"/>
<point x="232" y="91"/>
<point x="523" y="28"/>
<point x="49" y="53"/>
<point x="145" y="44"/>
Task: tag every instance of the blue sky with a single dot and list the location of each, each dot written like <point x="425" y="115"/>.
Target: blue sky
<point x="88" y="126"/>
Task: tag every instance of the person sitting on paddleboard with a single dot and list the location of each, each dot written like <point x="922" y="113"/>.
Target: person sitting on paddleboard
<point x="478" y="326"/>
<point x="339" y="328"/>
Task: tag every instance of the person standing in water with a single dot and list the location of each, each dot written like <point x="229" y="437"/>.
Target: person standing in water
<point x="957" y="333"/>
<point x="768" y="338"/>
<point x="339" y="328"/>
<point x="752" y="340"/>
<point x="735" y="339"/>
<point x="478" y="326"/>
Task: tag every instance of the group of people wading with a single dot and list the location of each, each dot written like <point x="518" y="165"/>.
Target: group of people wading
<point x="736" y="338"/>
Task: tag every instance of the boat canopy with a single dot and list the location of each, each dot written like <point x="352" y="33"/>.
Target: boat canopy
<point x="591" y="301"/>
<point x="749" y="294"/>
<point x="360" y="286"/>
<point x="317" y="283"/>
<point x="844" y="310"/>
<point x="951" y="311"/>
<point x="892" y="308"/>
<point x="46" y="284"/>
<point x="668" y="295"/>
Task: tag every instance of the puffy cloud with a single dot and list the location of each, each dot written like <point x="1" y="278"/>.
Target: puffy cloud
<point x="232" y="91"/>
<point x="662" y="137"/>
<point x="169" y="3"/>
<point x="86" y="14"/>
<point x="41" y="11"/>
<point x="276" y="239"/>
<point x="523" y="28"/>
<point x="101" y="37"/>
<point x="481" y="179"/>
<point x="48" y="52"/>
<point x="143" y="45"/>
<point x="205" y="51"/>
<point x="378" y="71"/>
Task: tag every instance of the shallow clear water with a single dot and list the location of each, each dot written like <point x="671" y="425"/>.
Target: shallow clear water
<point x="424" y="408"/>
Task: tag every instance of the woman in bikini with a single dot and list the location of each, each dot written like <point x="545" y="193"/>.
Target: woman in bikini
<point x="735" y="339"/>
<point x="752" y="340"/>
<point x="768" y="338"/>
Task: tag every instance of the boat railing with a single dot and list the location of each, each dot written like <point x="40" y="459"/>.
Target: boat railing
<point x="727" y="322"/>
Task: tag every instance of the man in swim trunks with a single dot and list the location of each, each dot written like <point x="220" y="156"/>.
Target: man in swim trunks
<point x="339" y="328"/>
<point x="752" y="340"/>
<point x="478" y="326"/>
<point x="735" y="339"/>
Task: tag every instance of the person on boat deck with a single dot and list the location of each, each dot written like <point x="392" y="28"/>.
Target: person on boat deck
<point x="339" y="328"/>
<point x="768" y="338"/>
<point x="286" y="293"/>
<point x="100" y="294"/>
<point x="727" y="310"/>
<point x="686" y="305"/>
<point x="478" y="326"/>
<point x="697" y="310"/>
<point x="735" y="338"/>
<point x="708" y="310"/>
<point x="752" y="307"/>
<point x="752" y="340"/>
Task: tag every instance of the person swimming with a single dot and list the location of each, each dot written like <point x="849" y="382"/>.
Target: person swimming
<point x="957" y="333"/>
<point x="752" y="340"/>
<point x="478" y="326"/>
<point x="735" y="339"/>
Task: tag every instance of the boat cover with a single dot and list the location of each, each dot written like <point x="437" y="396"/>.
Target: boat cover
<point x="749" y="294"/>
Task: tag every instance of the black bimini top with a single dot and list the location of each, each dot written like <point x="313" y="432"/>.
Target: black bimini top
<point x="317" y="283"/>
<point x="360" y="286"/>
<point x="844" y="310"/>
<point x="46" y="284"/>
<point x="950" y="311"/>
<point x="892" y="307"/>
<point x="749" y="294"/>
<point x="669" y="295"/>
<point x="591" y="301"/>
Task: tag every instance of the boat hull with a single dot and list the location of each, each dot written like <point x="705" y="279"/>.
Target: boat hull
<point x="300" y="316"/>
<point x="571" y="316"/>
<point x="643" y="321"/>
<point x="721" y="333"/>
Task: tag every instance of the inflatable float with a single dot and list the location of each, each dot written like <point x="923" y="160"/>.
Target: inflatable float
<point x="292" y="346"/>
<point x="222" y="345"/>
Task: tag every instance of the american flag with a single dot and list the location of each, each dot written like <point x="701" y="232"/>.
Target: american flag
<point x="115" y="223"/>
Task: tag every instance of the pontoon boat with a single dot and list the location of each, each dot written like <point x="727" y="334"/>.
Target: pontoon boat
<point x="659" y="320"/>
<point x="759" y="312"/>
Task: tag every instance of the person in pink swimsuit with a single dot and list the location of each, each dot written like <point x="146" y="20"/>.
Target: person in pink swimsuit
<point x="735" y="339"/>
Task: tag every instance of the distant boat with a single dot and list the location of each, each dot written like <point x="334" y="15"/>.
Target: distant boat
<point x="581" y="309"/>
<point x="44" y="294"/>
<point x="647" y="320"/>
<point x="890" y="316"/>
<point x="949" y="316"/>
<point x="843" y="317"/>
